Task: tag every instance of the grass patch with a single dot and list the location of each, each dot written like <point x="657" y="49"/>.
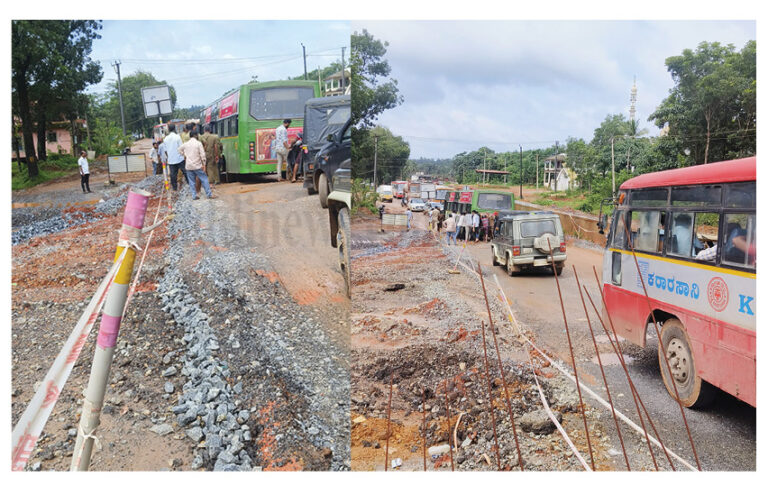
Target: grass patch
<point x="565" y="200"/>
<point x="55" y="167"/>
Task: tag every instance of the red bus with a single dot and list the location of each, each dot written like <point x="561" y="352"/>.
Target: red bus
<point x="398" y="188"/>
<point x="693" y="231"/>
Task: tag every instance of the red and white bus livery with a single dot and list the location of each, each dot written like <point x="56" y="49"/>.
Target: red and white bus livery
<point x="399" y="188"/>
<point x="693" y="231"/>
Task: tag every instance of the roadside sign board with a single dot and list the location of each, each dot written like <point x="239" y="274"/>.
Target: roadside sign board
<point x="156" y="100"/>
<point x="394" y="220"/>
<point x="127" y="163"/>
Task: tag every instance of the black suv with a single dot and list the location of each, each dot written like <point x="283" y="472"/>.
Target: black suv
<point x="328" y="159"/>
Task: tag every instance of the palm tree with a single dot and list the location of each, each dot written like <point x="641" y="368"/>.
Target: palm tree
<point x="633" y="131"/>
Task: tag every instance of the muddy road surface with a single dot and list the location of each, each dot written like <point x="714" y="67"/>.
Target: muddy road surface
<point x="227" y="359"/>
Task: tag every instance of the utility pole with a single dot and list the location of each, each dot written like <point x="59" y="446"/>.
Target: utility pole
<point x="613" y="171"/>
<point x="484" y="165"/>
<point x="537" y="171"/>
<point x="505" y="170"/>
<point x="304" y="53"/>
<point x="116" y="65"/>
<point x="342" y="69"/>
<point x="521" y="172"/>
<point x="375" y="156"/>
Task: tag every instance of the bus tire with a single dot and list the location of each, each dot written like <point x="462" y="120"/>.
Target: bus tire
<point x="343" y="241"/>
<point x="512" y="270"/>
<point x="322" y="190"/>
<point x="493" y="257"/>
<point x="694" y="392"/>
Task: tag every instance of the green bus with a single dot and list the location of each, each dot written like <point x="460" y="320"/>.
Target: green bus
<point x="245" y="119"/>
<point x="480" y="200"/>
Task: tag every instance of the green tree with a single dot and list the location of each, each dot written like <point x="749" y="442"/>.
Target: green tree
<point x="711" y="107"/>
<point x="133" y="107"/>
<point x="50" y="67"/>
<point x="370" y="94"/>
<point x="391" y="151"/>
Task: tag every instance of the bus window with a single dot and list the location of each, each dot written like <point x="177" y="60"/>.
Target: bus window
<point x="739" y="248"/>
<point x="648" y="198"/>
<point x="741" y="195"/>
<point x="619" y="233"/>
<point x="705" y="235"/>
<point x="494" y="202"/>
<point x="646" y="227"/>
<point x="696" y="196"/>
<point x="279" y="103"/>
<point x="681" y="232"/>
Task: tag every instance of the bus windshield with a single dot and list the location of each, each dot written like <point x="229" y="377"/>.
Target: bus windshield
<point x="494" y="201"/>
<point x="279" y="103"/>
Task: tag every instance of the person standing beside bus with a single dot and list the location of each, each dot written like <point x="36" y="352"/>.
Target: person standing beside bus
<point x="194" y="154"/>
<point x="213" y="148"/>
<point x="154" y="157"/>
<point x="281" y="142"/>
<point x="476" y="225"/>
<point x="172" y="143"/>
<point x="450" y="230"/>
<point x="85" y="174"/>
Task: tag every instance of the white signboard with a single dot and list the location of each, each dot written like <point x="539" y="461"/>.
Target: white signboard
<point x="394" y="220"/>
<point x="127" y="163"/>
<point x="157" y="101"/>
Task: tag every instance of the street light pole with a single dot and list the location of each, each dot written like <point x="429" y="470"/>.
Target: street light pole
<point x="375" y="156"/>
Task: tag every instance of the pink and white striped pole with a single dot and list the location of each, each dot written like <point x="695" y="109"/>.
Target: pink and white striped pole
<point x="133" y="222"/>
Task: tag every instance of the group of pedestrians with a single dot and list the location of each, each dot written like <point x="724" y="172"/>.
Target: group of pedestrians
<point x="468" y="227"/>
<point x="191" y="156"/>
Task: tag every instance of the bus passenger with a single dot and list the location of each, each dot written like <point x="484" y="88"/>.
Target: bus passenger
<point x="281" y="141"/>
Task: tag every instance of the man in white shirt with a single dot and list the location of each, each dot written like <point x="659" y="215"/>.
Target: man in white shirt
<point x="281" y="142"/>
<point x="85" y="174"/>
<point x="172" y="142"/>
<point x="476" y="225"/>
<point x="154" y="156"/>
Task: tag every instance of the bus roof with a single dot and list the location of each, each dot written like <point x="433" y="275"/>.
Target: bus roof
<point x="741" y="170"/>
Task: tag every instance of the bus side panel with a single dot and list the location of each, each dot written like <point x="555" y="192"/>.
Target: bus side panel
<point x="230" y="154"/>
<point x="724" y="356"/>
<point x="630" y="321"/>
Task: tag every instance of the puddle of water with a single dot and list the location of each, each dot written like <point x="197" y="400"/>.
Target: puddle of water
<point x="611" y="359"/>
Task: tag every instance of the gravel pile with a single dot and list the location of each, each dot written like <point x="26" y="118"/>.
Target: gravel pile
<point x="44" y="227"/>
<point x="254" y="333"/>
<point x="115" y="202"/>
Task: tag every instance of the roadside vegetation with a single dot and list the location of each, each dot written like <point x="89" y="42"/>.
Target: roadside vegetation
<point x="55" y="166"/>
<point x="363" y="197"/>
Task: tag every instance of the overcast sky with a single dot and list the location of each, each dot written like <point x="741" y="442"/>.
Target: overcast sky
<point x="472" y="83"/>
<point x="203" y="59"/>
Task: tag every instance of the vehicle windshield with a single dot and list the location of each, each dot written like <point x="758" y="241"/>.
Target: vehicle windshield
<point x="494" y="201"/>
<point x="279" y="103"/>
<point x="537" y="228"/>
<point x="417" y="201"/>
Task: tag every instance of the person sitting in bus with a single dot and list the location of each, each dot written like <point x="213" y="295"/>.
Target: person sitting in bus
<point x="682" y="234"/>
<point x="736" y="249"/>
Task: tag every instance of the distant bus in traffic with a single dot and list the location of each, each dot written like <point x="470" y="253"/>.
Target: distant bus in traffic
<point x="399" y="188"/>
<point x="246" y="118"/>
<point x="693" y="231"/>
<point x="480" y="200"/>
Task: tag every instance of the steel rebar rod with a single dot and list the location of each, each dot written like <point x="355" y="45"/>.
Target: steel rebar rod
<point x="602" y="370"/>
<point x="573" y="357"/>
<point x="448" y="415"/>
<point x="424" y="430"/>
<point x="389" y="422"/>
<point x="663" y="349"/>
<point x="501" y="368"/>
<point x="635" y="394"/>
<point x="490" y="395"/>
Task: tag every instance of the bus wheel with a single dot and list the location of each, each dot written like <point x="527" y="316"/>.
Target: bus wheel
<point x="493" y="257"/>
<point x="322" y="190"/>
<point x="342" y="238"/>
<point x="693" y="391"/>
<point x="512" y="270"/>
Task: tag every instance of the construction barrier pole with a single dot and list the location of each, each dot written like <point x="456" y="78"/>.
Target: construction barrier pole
<point x="133" y="222"/>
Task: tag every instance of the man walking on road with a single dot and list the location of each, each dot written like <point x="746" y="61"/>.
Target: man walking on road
<point x="154" y="156"/>
<point x="409" y="216"/>
<point x="85" y="174"/>
<point x="450" y="230"/>
<point x="194" y="153"/>
<point x="213" y="148"/>
<point x="172" y="143"/>
<point x="281" y="141"/>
